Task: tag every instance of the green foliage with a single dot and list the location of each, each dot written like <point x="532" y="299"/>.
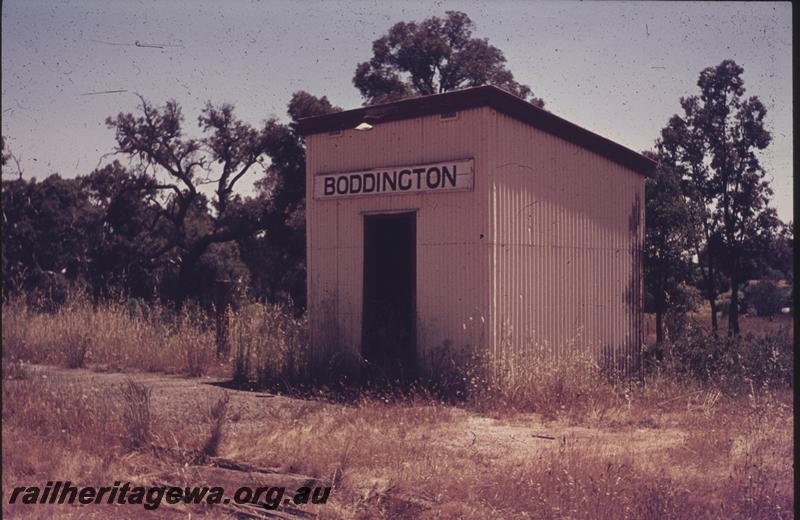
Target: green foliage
<point x="47" y="231"/>
<point x="276" y="258"/>
<point x="766" y="298"/>
<point x="668" y="236"/>
<point x="126" y="250"/>
<point x="433" y="56"/>
<point x="766" y="360"/>
<point x="228" y="150"/>
<point x="684" y="299"/>
<point x="778" y="259"/>
<point x="147" y="231"/>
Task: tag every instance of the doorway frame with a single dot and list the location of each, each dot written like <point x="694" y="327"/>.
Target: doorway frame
<point x="411" y="214"/>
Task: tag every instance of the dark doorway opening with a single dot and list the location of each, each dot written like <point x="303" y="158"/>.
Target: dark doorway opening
<point x="389" y="333"/>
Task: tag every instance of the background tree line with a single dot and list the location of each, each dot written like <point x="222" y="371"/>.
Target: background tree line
<point x="168" y="219"/>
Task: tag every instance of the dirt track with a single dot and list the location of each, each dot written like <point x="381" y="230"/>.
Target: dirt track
<point x="176" y="398"/>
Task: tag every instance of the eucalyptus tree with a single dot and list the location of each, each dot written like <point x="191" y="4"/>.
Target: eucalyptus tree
<point x="715" y="146"/>
<point x="433" y="56"/>
<point x="179" y="166"/>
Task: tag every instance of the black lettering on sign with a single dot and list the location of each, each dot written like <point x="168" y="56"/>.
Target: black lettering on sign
<point x="341" y="185"/>
<point x="419" y="172"/>
<point x="403" y="185"/>
<point x="369" y="187"/>
<point x="330" y="185"/>
<point x="430" y="177"/>
<point x="451" y="178"/>
<point x="391" y="180"/>
<point x="433" y="181"/>
<point x="355" y="187"/>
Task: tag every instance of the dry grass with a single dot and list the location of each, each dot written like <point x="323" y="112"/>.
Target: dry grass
<point x="538" y="384"/>
<point x="60" y="428"/>
<point x="422" y="459"/>
<point x="671" y="448"/>
<point x="114" y="336"/>
<point x="135" y="398"/>
<point x="218" y="415"/>
<point x="381" y="454"/>
<point x="269" y="346"/>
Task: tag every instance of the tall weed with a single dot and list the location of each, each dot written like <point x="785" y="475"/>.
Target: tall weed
<point x="113" y="335"/>
<point x="270" y="346"/>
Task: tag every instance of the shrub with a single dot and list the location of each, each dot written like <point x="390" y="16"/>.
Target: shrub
<point x="766" y="360"/>
<point x="683" y="301"/>
<point x="75" y="347"/>
<point x="532" y="379"/>
<point x="766" y="298"/>
<point x="47" y="291"/>
<point x="724" y="304"/>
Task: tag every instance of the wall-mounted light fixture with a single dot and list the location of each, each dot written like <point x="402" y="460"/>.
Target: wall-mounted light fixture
<point x="368" y="121"/>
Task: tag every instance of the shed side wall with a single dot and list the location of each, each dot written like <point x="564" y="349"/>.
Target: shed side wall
<point x="567" y="250"/>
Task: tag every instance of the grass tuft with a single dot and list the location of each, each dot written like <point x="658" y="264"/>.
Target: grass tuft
<point x="217" y="415"/>
<point x="135" y="398"/>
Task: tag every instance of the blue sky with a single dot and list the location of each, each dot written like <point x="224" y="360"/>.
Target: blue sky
<point x="616" y="68"/>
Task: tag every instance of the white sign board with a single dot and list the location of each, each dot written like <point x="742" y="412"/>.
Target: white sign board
<point x="433" y="177"/>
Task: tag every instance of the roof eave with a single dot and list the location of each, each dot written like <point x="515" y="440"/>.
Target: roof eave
<point x="488" y="95"/>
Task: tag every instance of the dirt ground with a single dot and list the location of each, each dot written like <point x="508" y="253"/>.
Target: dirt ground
<point x="523" y="436"/>
<point x="381" y="459"/>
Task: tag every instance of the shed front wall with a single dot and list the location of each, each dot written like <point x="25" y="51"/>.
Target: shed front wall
<point x="452" y="232"/>
<point x="567" y="242"/>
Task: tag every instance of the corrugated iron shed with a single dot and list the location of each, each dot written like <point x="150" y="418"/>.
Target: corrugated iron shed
<point x="536" y="246"/>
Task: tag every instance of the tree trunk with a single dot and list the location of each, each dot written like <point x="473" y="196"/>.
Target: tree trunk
<point x="709" y="287"/>
<point x="712" y="301"/>
<point x="712" y="295"/>
<point x="96" y="293"/>
<point x="222" y="301"/>
<point x="184" y="277"/>
<point x="659" y="327"/>
<point x="187" y="268"/>
<point x="733" y="311"/>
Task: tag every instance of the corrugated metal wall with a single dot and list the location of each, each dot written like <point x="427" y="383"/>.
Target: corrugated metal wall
<point x="453" y="250"/>
<point x="568" y="233"/>
<point x="544" y="253"/>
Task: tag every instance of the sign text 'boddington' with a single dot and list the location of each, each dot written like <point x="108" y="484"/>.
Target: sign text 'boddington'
<point x="441" y="176"/>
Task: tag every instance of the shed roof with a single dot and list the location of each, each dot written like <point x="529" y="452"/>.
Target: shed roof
<point x="487" y="95"/>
